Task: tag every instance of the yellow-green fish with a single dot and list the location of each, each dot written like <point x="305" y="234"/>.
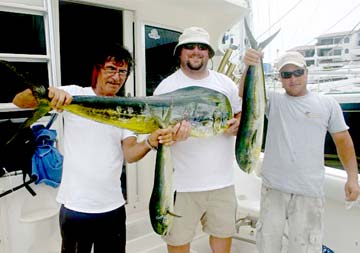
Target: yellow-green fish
<point x="250" y="134"/>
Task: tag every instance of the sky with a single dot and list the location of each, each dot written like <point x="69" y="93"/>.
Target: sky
<point x="301" y="21"/>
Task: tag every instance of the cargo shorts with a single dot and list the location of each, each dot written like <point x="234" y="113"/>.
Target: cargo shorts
<point x="289" y="223"/>
<point x="216" y="209"/>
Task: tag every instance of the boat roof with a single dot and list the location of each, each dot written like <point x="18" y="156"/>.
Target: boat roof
<point x="209" y="14"/>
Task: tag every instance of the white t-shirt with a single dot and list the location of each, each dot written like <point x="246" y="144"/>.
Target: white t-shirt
<point x="93" y="160"/>
<point x="294" y="150"/>
<point x="202" y="164"/>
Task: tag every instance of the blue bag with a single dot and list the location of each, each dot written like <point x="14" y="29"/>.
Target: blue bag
<point x="47" y="160"/>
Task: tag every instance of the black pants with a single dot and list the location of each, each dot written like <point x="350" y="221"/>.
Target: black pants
<point x="80" y="231"/>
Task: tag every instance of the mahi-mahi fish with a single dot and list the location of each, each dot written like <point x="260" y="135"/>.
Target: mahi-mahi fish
<point x="161" y="206"/>
<point x="250" y="134"/>
<point x="206" y="109"/>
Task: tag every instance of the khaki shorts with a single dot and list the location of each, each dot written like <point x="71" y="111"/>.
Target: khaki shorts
<point x="289" y="223"/>
<point x="215" y="209"/>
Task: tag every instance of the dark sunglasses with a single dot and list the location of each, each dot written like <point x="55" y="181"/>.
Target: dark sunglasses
<point x="288" y="74"/>
<point x="191" y="46"/>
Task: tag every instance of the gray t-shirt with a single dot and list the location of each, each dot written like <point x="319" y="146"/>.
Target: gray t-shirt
<point x="294" y="150"/>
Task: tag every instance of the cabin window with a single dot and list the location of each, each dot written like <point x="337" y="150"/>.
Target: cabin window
<point x="325" y="52"/>
<point x="24" y="49"/>
<point x="346" y="51"/>
<point x="29" y="37"/>
<point x="160" y="62"/>
<point x="310" y="62"/>
<point x="328" y="41"/>
<point x="347" y="40"/>
<point x="337" y="52"/>
<point x="35" y="73"/>
<point x="337" y="40"/>
<point x="310" y="53"/>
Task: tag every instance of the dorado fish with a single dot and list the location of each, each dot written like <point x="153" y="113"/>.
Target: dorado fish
<point x="161" y="204"/>
<point x="207" y="110"/>
<point x="250" y="134"/>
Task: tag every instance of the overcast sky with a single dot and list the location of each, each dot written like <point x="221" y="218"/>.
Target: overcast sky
<point x="301" y="21"/>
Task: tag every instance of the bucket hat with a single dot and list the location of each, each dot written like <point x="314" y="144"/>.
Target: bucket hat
<point x="195" y="35"/>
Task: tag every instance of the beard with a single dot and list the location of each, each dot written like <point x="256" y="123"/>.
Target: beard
<point x="195" y="66"/>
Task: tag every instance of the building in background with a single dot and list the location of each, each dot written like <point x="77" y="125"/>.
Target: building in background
<point x="333" y="50"/>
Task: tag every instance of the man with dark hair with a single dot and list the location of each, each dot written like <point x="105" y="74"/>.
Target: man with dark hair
<point x="93" y="207"/>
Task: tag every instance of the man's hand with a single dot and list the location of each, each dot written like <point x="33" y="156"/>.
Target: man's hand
<point x="161" y="136"/>
<point x="59" y="98"/>
<point x="233" y="126"/>
<point x="181" y="131"/>
<point x="351" y="190"/>
<point x="252" y="57"/>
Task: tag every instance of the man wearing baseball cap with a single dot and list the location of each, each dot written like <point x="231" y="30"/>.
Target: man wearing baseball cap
<point x="203" y="167"/>
<point x="293" y="170"/>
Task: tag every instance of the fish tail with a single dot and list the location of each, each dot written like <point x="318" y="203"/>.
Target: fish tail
<point x="39" y="92"/>
<point x="21" y="81"/>
<point x="253" y="43"/>
<point x="250" y="36"/>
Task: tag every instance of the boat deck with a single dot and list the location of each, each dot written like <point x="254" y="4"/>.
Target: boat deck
<point x="142" y="239"/>
<point x="23" y="216"/>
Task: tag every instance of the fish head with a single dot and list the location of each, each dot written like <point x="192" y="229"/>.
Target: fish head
<point x="161" y="223"/>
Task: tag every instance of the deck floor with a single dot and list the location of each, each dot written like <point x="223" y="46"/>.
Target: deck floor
<point x="142" y="239"/>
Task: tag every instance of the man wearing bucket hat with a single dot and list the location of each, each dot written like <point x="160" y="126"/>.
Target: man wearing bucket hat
<point x="293" y="171"/>
<point x="203" y="167"/>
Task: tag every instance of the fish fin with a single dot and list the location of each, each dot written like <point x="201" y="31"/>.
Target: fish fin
<point x="166" y="122"/>
<point x="253" y="43"/>
<point x="163" y="121"/>
<point x="253" y="139"/>
<point x="173" y="214"/>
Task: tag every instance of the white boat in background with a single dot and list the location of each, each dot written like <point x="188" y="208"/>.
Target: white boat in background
<point x="54" y="40"/>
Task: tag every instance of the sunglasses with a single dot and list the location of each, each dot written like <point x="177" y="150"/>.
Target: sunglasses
<point x="113" y="71"/>
<point x="289" y="74"/>
<point x="191" y="46"/>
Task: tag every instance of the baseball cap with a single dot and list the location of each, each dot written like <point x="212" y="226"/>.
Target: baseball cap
<point x="291" y="57"/>
<point x="195" y="35"/>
